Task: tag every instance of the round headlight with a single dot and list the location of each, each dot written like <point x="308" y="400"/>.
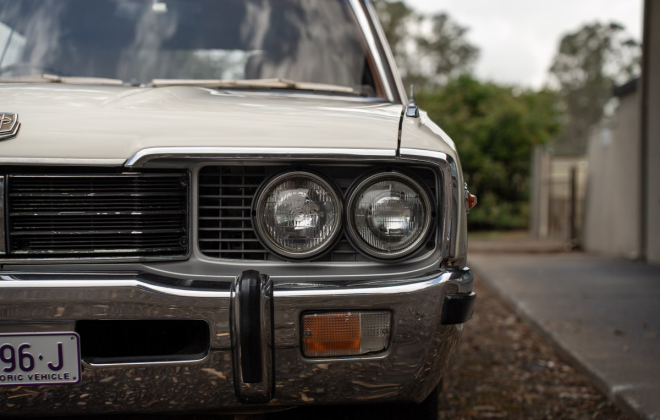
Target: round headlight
<point x="297" y="215"/>
<point x="389" y="215"/>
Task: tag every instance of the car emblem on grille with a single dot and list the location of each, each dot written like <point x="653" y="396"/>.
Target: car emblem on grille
<point x="8" y="125"/>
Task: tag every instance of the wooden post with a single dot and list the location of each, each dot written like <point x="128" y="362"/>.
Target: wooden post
<point x="573" y="214"/>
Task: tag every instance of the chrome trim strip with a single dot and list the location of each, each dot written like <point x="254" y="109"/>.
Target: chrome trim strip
<point x="175" y="273"/>
<point x="107" y="175"/>
<point x="316" y="95"/>
<point x="138" y="364"/>
<point x="433" y="265"/>
<point x="59" y="161"/>
<point x="144" y="155"/>
<point x="451" y="192"/>
<point x="47" y="284"/>
<point x="3" y="237"/>
<point x="369" y="36"/>
<point x="386" y="47"/>
<point x="89" y="259"/>
<point x="411" y="285"/>
<point x="422" y="152"/>
<point x="356" y="291"/>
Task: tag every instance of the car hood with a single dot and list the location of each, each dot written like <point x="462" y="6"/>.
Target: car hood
<point x="115" y="122"/>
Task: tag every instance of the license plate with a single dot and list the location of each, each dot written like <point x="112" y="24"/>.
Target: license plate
<point x="39" y="359"/>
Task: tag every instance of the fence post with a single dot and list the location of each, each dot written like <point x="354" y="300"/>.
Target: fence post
<point x="573" y="214"/>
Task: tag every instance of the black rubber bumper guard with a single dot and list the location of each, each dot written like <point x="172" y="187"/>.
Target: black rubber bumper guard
<point x="252" y="337"/>
<point x="457" y="308"/>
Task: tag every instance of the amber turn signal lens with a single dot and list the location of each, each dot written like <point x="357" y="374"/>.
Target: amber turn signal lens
<point x="345" y="333"/>
<point x="472" y="200"/>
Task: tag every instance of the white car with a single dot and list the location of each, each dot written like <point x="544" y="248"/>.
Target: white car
<point x="220" y="205"/>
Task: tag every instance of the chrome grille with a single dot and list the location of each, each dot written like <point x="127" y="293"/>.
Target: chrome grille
<point x="98" y="215"/>
<point x="225" y="205"/>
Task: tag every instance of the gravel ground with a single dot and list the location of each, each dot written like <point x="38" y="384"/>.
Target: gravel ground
<point x="503" y="369"/>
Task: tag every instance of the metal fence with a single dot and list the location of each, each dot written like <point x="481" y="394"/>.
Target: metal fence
<point x="558" y="196"/>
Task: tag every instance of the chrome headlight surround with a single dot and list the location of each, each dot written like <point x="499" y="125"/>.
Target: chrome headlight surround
<point x="369" y="180"/>
<point x="258" y="212"/>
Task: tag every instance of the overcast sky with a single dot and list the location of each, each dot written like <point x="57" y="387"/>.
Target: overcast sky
<point x="518" y="38"/>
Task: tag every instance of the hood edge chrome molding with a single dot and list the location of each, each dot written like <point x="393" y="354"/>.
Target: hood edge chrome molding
<point x="209" y="152"/>
<point x="60" y="161"/>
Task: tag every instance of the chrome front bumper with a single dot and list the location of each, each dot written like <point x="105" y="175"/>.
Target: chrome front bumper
<point x="419" y="353"/>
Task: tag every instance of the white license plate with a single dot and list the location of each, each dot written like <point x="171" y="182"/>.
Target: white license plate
<point x="39" y="359"/>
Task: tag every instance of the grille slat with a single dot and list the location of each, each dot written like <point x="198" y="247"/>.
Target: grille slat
<point x="94" y="232"/>
<point x="227" y="229"/>
<point x="225" y="218"/>
<point x="226" y="207"/>
<point x="242" y="240"/>
<point x="60" y="243"/>
<point x="98" y="215"/>
<point x="232" y="185"/>
<point x="225" y="201"/>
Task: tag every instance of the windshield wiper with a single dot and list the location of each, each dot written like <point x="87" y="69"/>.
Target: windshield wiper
<point x="253" y="84"/>
<point x="52" y="78"/>
<point x="210" y="83"/>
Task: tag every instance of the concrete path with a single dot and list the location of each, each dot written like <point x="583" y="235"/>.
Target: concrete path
<point x="602" y="313"/>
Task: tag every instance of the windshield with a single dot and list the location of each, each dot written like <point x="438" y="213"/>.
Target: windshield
<point x="137" y="41"/>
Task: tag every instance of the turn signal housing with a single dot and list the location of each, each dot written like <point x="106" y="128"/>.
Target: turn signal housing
<point x="333" y="334"/>
<point x="472" y="201"/>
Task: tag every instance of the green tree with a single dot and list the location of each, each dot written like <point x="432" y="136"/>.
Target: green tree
<point x="588" y="64"/>
<point x="495" y="129"/>
<point x="395" y="18"/>
<point x="426" y="58"/>
<point x="446" y="51"/>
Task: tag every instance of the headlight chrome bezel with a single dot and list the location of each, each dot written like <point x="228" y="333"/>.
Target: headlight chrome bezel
<point x="366" y="181"/>
<point x="259" y="227"/>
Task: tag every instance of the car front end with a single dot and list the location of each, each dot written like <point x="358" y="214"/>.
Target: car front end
<point x="223" y="245"/>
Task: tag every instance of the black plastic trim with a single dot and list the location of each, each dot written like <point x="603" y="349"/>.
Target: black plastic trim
<point x="15" y="257"/>
<point x="250" y="326"/>
<point x="120" y="341"/>
<point x="458" y="308"/>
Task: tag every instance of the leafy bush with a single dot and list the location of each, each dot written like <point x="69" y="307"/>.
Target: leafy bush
<point x="495" y="129"/>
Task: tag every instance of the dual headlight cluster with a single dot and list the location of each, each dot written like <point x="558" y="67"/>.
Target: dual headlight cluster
<point x="300" y="214"/>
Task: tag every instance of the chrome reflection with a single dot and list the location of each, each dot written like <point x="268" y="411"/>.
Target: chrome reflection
<point x="3" y="247"/>
<point x="419" y="354"/>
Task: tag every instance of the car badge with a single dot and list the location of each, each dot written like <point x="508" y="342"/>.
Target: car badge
<point x="9" y="125"/>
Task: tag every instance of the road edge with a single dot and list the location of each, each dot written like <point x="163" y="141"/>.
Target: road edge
<point x="625" y="404"/>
